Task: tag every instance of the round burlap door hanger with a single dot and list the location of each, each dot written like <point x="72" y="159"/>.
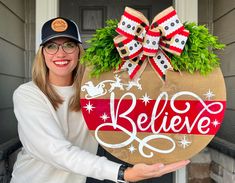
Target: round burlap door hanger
<point x="148" y="107"/>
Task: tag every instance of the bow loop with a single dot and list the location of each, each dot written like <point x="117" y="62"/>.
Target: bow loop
<point x="168" y="22"/>
<point x="138" y="41"/>
<point x="127" y="48"/>
<point x="133" y="25"/>
<point x="176" y="44"/>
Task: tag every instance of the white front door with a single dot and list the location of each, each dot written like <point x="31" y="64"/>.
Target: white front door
<point x="91" y="15"/>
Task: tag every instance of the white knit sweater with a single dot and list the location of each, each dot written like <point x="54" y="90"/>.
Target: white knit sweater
<point x="57" y="147"/>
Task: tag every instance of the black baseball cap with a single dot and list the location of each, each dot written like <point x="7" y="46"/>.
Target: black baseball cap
<point x="60" y="27"/>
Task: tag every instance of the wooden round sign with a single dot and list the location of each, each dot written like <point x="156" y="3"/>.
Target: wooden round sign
<point x="148" y="121"/>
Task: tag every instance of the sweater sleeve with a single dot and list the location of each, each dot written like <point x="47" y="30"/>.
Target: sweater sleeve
<point x="42" y="137"/>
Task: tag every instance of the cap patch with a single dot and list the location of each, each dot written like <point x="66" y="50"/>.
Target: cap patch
<point x="59" y="25"/>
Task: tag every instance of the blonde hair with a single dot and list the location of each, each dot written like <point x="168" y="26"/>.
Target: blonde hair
<point x="40" y="78"/>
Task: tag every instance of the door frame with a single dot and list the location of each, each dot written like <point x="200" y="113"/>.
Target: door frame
<point x="186" y="10"/>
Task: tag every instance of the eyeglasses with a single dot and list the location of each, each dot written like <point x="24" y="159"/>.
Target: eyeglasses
<point x="52" y="48"/>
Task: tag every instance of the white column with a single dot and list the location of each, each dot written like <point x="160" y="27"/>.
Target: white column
<point x="45" y="10"/>
<point x="187" y="10"/>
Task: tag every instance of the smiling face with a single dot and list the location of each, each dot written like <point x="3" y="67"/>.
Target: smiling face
<point x="61" y="64"/>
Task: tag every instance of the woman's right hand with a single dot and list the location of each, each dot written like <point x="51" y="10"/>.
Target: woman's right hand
<point x="143" y="171"/>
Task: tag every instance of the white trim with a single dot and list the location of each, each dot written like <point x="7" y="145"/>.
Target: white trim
<point x="45" y="10"/>
<point x="180" y="176"/>
<point x="187" y="10"/>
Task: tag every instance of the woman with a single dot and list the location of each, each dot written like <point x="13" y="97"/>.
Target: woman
<point x="57" y="147"/>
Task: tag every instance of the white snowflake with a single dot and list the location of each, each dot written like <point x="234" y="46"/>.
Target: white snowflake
<point x="104" y="117"/>
<point x="146" y="99"/>
<point x="209" y="95"/>
<point x="215" y="123"/>
<point x="131" y="148"/>
<point x="89" y="107"/>
<point x="184" y="142"/>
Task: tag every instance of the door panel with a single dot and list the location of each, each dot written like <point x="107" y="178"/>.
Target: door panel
<point x="91" y="15"/>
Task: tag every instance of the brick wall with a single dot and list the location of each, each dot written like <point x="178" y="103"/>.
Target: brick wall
<point x="211" y="166"/>
<point x="222" y="167"/>
<point x="199" y="168"/>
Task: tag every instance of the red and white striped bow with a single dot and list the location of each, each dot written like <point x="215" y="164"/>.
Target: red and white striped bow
<point x="138" y="41"/>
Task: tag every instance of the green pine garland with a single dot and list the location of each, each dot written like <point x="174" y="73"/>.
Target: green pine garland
<point x="197" y="55"/>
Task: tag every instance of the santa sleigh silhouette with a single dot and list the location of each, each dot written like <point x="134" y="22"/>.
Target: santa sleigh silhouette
<point x="93" y="91"/>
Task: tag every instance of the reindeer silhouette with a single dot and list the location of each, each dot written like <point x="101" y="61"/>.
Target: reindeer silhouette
<point x="134" y="83"/>
<point x="116" y="84"/>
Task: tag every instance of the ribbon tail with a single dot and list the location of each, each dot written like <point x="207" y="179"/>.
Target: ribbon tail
<point x="131" y="68"/>
<point x="161" y="63"/>
<point x="134" y="68"/>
